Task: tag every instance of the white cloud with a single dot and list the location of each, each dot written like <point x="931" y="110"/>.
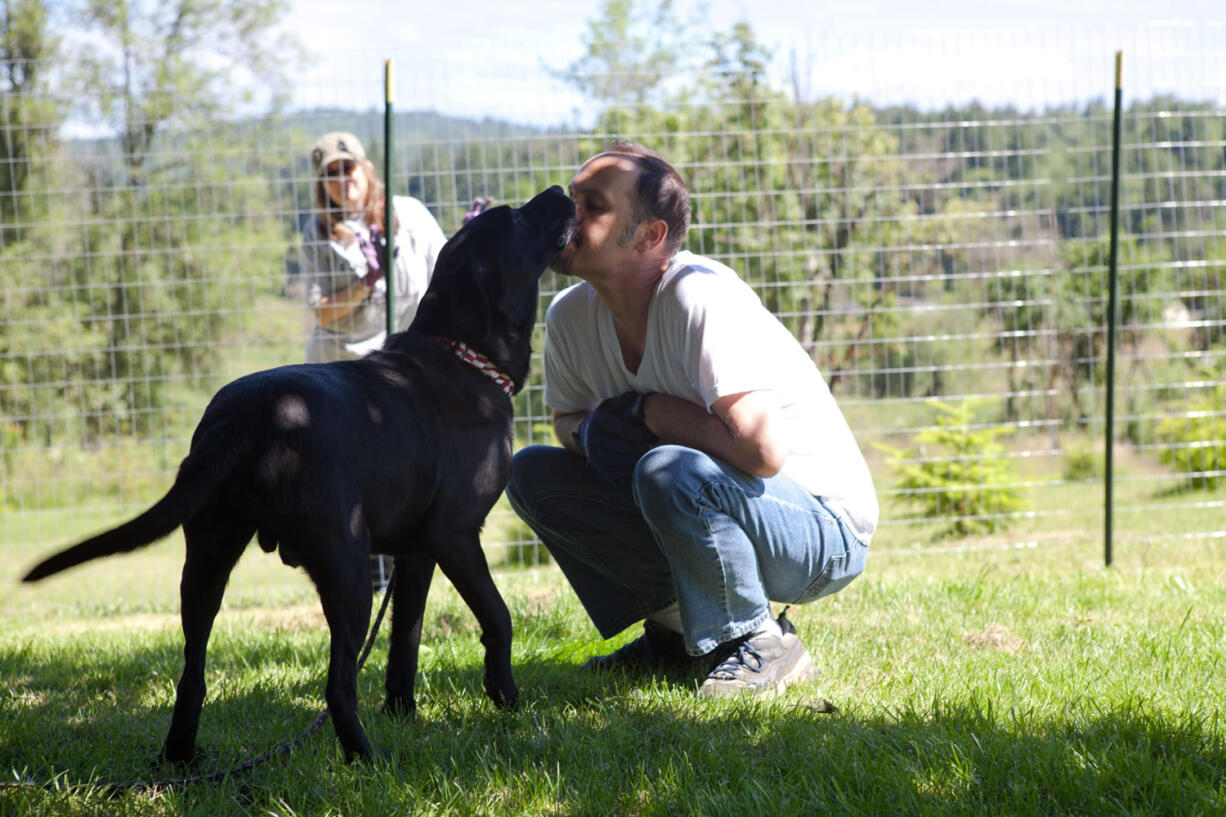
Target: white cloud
<point x="485" y="58"/>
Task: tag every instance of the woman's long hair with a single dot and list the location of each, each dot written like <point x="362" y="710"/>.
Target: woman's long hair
<point x="332" y="217"/>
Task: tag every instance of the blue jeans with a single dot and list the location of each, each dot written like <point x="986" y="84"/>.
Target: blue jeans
<point x="692" y="529"/>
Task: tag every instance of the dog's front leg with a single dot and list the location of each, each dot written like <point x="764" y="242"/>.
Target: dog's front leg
<point x="466" y="568"/>
<point x="413" y="575"/>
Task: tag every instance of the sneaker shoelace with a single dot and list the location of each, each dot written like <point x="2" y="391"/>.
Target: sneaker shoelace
<point x="739" y="657"/>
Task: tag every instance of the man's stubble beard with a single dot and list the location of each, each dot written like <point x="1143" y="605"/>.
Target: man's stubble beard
<point x="566" y="259"/>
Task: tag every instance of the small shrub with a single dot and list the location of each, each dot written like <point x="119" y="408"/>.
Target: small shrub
<point x="1194" y="441"/>
<point x="959" y="473"/>
<point x="1083" y="462"/>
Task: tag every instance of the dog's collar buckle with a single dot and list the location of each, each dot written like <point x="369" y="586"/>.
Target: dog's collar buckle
<point x="481" y="363"/>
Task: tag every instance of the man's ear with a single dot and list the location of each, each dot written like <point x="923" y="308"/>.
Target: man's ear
<point x="651" y="235"/>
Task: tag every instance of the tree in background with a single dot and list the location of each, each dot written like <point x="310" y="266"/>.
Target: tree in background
<point x="29" y="118"/>
<point x="737" y="162"/>
<point x="800" y="196"/>
<point x="1143" y="283"/>
<point x="166" y="77"/>
<point x="177" y="63"/>
<point x="846" y="176"/>
<point x="40" y="354"/>
<point x="630" y="52"/>
<point x="1199" y="286"/>
<point x="1193" y="438"/>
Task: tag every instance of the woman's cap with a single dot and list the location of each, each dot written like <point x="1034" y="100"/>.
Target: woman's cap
<point x="333" y="146"/>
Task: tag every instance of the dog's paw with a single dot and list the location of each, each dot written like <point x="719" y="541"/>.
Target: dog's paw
<point x="400" y="706"/>
<point x="174" y="759"/>
<point x="504" y="696"/>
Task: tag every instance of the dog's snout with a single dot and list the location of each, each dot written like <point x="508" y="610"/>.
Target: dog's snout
<point x="555" y="213"/>
<point x="550" y="203"/>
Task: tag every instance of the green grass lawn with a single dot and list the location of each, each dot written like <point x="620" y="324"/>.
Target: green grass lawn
<point x="1009" y="674"/>
<point x="1010" y="682"/>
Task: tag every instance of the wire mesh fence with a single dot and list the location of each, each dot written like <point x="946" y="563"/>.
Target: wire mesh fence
<point x="940" y="248"/>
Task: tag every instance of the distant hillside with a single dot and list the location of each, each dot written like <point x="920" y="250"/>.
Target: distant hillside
<point x="104" y="154"/>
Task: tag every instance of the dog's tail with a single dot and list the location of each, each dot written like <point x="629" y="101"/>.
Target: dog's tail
<point x="213" y="456"/>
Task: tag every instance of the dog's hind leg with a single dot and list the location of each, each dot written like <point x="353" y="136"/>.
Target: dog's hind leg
<point x="413" y="575"/>
<point x="466" y="568"/>
<point x="213" y="547"/>
<point x="343" y="582"/>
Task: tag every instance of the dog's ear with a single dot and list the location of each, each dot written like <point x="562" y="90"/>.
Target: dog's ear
<point x="471" y="309"/>
<point x="466" y="297"/>
<point x="454" y="306"/>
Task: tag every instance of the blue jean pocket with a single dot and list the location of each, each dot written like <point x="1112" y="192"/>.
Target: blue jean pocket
<point x="839" y="571"/>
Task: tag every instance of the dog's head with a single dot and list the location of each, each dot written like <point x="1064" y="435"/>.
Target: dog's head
<point x="484" y="288"/>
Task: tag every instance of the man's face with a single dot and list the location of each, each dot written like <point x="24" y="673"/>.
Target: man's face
<point x="602" y="191"/>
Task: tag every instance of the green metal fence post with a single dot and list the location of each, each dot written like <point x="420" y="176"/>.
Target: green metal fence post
<point x="1112" y="308"/>
<point x="389" y="219"/>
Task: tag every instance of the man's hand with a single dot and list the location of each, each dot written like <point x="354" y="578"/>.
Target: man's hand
<point x="614" y="436"/>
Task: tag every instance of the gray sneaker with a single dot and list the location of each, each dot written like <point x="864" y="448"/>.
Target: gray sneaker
<point x="763" y="664"/>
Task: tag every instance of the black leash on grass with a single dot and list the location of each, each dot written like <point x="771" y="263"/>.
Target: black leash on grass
<point x="112" y="789"/>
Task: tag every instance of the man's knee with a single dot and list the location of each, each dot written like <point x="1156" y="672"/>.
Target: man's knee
<point x="670" y="471"/>
<point x="546" y="470"/>
<point x="528" y="466"/>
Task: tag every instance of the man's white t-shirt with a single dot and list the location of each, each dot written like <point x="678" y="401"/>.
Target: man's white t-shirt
<point x="709" y="336"/>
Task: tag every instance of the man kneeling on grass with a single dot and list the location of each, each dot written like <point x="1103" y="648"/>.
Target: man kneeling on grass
<point x="705" y="470"/>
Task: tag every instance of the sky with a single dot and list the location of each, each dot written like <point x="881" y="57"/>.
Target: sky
<point x="492" y="57"/>
<point x="555" y="25"/>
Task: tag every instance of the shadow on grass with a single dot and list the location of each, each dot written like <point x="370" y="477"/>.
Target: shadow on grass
<point x="601" y="745"/>
<point x="608" y="745"/>
<point x="103" y="715"/>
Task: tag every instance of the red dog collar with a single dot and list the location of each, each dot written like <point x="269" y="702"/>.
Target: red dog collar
<point x="481" y="363"/>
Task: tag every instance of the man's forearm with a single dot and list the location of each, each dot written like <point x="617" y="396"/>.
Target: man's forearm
<point x="565" y="426"/>
<point x="754" y="449"/>
<point x="681" y="422"/>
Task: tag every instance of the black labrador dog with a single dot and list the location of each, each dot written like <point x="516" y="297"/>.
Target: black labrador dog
<point x="403" y="452"/>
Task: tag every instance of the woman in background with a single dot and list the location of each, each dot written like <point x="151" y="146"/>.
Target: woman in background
<point x="342" y="263"/>
<point x="342" y="253"/>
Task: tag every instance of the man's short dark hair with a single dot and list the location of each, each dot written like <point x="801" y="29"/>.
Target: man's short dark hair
<point x="659" y="193"/>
